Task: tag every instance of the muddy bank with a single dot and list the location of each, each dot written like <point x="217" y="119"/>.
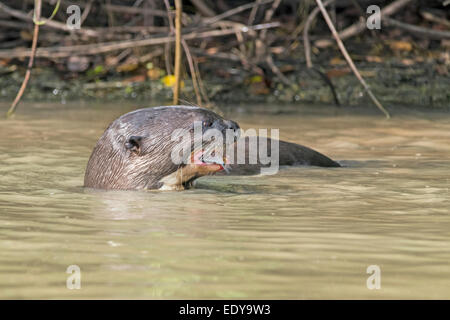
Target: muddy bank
<point x="394" y="83"/>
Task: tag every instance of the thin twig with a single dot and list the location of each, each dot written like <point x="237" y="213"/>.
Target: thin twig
<point x="150" y="12"/>
<point x="252" y="16"/>
<point x="130" y="29"/>
<point x="308" y="23"/>
<point x="304" y="14"/>
<point x="418" y="31"/>
<point x="203" y="8"/>
<point x="86" y="11"/>
<point x="200" y="82"/>
<point x="168" y="58"/>
<point x="217" y="55"/>
<point x="307" y="46"/>
<point x="176" y="87"/>
<point x="134" y="10"/>
<point x="431" y="17"/>
<point x="37" y="16"/>
<point x="349" y="60"/>
<point x="268" y="17"/>
<point x="188" y="56"/>
<point x="169" y="16"/>
<point x="277" y="71"/>
<point x="192" y="70"/>
<point x="260" y="43"/>
<point x="96" y="48"/>
<point x="236" y="10"/>
<point x="362" y="14"/>
<point x="167" y="46"/>
<point x="329" y="83"/>
<point x="239" y="36"/>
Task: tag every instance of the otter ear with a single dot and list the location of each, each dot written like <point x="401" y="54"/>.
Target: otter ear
<point x="134" y="144"/>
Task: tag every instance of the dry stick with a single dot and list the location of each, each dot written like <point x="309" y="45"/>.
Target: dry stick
<point x="252" y="16"/>
<point x="130" y="29"/>
<point x="349" y="60"/>
<point x="240" y="39"/>
<point x="203" y="8"/>
<point x="431" y="17"/>
<point x="217" y="55"/>
<point x="134" y="10"/>
<point x="168" y="58"/>
<point x="268" y="16"/>
<point x="244" y="61"/>
<point x="362" y="15"/>
<point x="109" y="13"/>
<point x="96" y="48"/>
<point x="37" y="15"/>
<point x="171" y="26"/>
<point x="12" y="24"/>
<point x="307" y="47"/>
<point x="239" y="36"/>
<point x="361" y="25"/>
<point x="150" y="12"/>
<point x="192" y="70"/>
<point x="308" y="23"/>
<point x="55" y="10"/>
<point x="418" y="31"/>
<point x="236" y="10"/>
<point x="176" y="87"/>
<point x="260" y="46"/>
<point x="277" y="71"/>
<point x="188" y="56"/>
<point x="300" y="26"/>
<point x="149" y="19"/>
<point x="200" y="82"/>
<point x="149" y="56"/>
<point x="329" y="83"/>
<point x="86" y="11"/>
<point x="167" y="46"/>
<point x="52" y="24"/>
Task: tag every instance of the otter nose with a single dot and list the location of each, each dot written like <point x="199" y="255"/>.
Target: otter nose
<point x="223" y="125"/>
<point x="235" y="127"/>
<point x="232" y="125"/>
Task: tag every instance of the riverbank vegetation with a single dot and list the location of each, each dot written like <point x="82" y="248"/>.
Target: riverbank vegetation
<point x="233" y="51"/>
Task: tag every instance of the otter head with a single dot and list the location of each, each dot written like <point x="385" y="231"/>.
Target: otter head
<point x="159" y="148"/>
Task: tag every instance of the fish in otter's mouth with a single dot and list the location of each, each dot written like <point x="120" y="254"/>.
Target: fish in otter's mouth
<point x="206" y="157"/>
<point x="201" y="159"/>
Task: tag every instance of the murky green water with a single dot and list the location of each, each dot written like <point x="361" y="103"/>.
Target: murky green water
<point x="303" y="233"/>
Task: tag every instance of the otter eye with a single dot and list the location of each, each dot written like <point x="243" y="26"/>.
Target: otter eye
<point x="207" y="124"/>
<point x="134" y="144"/>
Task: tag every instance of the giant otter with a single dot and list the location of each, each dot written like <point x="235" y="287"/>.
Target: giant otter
<point x="136" y="151"/>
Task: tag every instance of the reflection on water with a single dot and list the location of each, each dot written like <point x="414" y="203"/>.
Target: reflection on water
<point x="303" y="233"/>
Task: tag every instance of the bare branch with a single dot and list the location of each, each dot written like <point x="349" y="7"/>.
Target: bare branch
<point x="349" y="60"/>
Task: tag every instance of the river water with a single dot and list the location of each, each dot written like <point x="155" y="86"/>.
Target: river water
<point x="303" y="233"/>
